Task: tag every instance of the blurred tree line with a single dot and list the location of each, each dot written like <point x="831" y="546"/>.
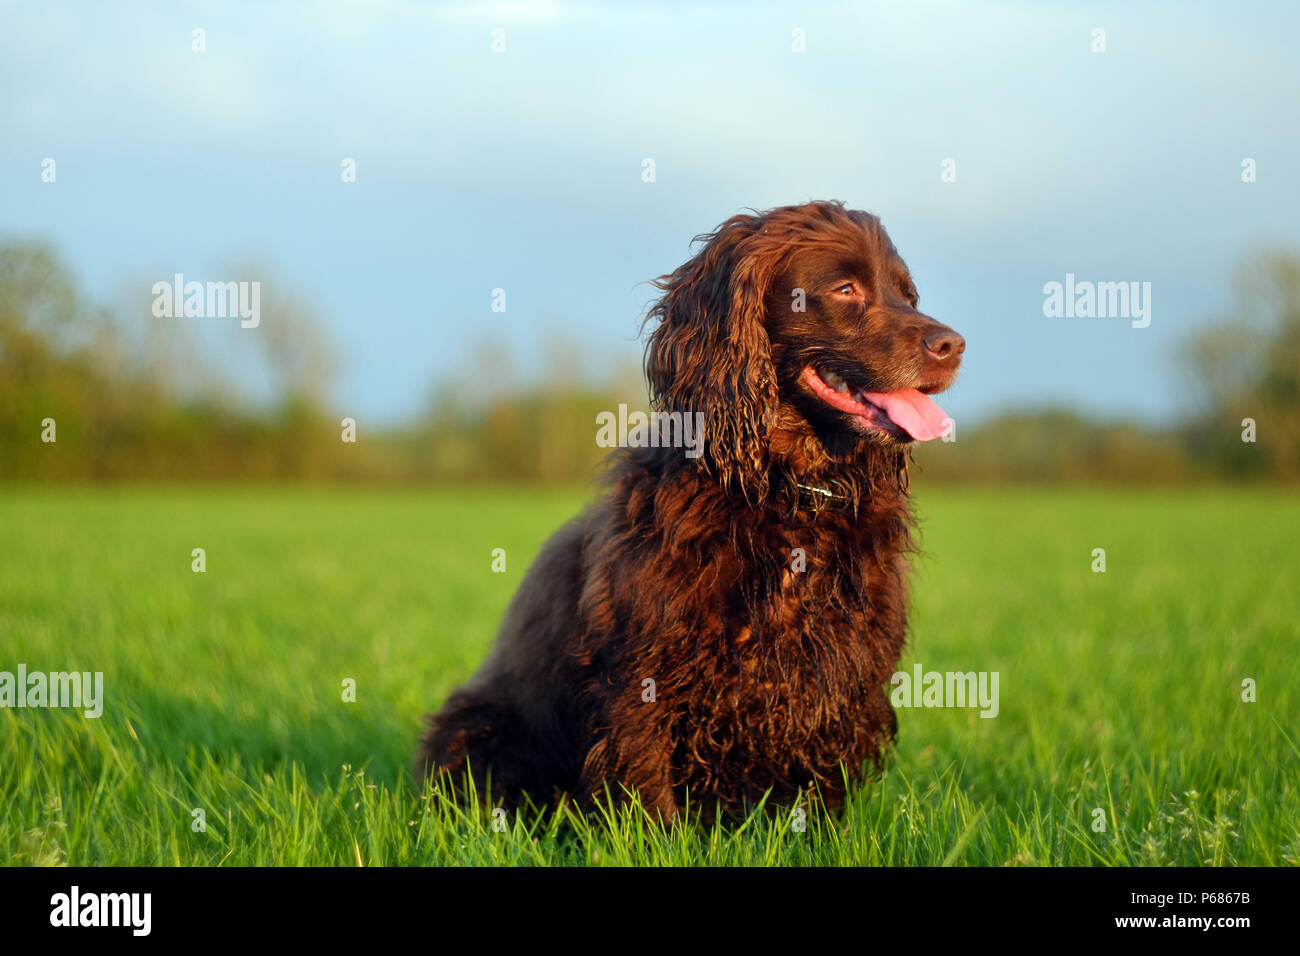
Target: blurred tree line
<point x="133" y="397"/>
<point x="1241" y="380"/>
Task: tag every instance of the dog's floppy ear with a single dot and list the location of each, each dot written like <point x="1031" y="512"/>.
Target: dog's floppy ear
<point x="710" y="352"/>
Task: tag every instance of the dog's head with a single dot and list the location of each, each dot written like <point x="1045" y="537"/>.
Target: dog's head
<point x="796" y="327"/>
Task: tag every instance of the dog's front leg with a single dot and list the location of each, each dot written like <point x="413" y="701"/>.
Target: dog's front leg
<point x="632" y="754"/>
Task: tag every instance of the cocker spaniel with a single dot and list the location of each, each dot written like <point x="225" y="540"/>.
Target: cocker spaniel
<point x="723" y="625"/>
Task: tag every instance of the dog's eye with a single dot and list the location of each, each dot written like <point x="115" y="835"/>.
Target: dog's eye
<point x="846" y="289"/>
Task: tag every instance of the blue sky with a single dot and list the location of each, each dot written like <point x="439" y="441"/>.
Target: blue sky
<point x="522" y="169"/>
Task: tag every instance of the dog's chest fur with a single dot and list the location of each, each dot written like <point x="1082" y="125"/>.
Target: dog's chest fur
<point x="769" y="638"/>
<point x="795" y="677"/>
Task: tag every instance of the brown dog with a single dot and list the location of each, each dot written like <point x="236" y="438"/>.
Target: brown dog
<point x="723" y="625"/>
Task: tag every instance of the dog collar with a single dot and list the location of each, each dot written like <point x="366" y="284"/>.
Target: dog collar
<point x="814" y="498"/>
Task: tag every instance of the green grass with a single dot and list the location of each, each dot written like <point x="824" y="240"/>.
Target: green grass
<point x="1119" y="691"/>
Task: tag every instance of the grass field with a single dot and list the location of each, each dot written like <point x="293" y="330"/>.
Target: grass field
<point x="1120" y="691"/>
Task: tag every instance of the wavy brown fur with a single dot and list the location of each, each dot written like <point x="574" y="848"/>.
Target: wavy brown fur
<point x="764" y="678"/>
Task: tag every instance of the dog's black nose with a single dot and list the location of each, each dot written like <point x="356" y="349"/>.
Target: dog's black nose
<point x="943" y="344"/>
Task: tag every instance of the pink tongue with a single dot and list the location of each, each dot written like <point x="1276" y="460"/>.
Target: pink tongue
<point x="912" y="411"/>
